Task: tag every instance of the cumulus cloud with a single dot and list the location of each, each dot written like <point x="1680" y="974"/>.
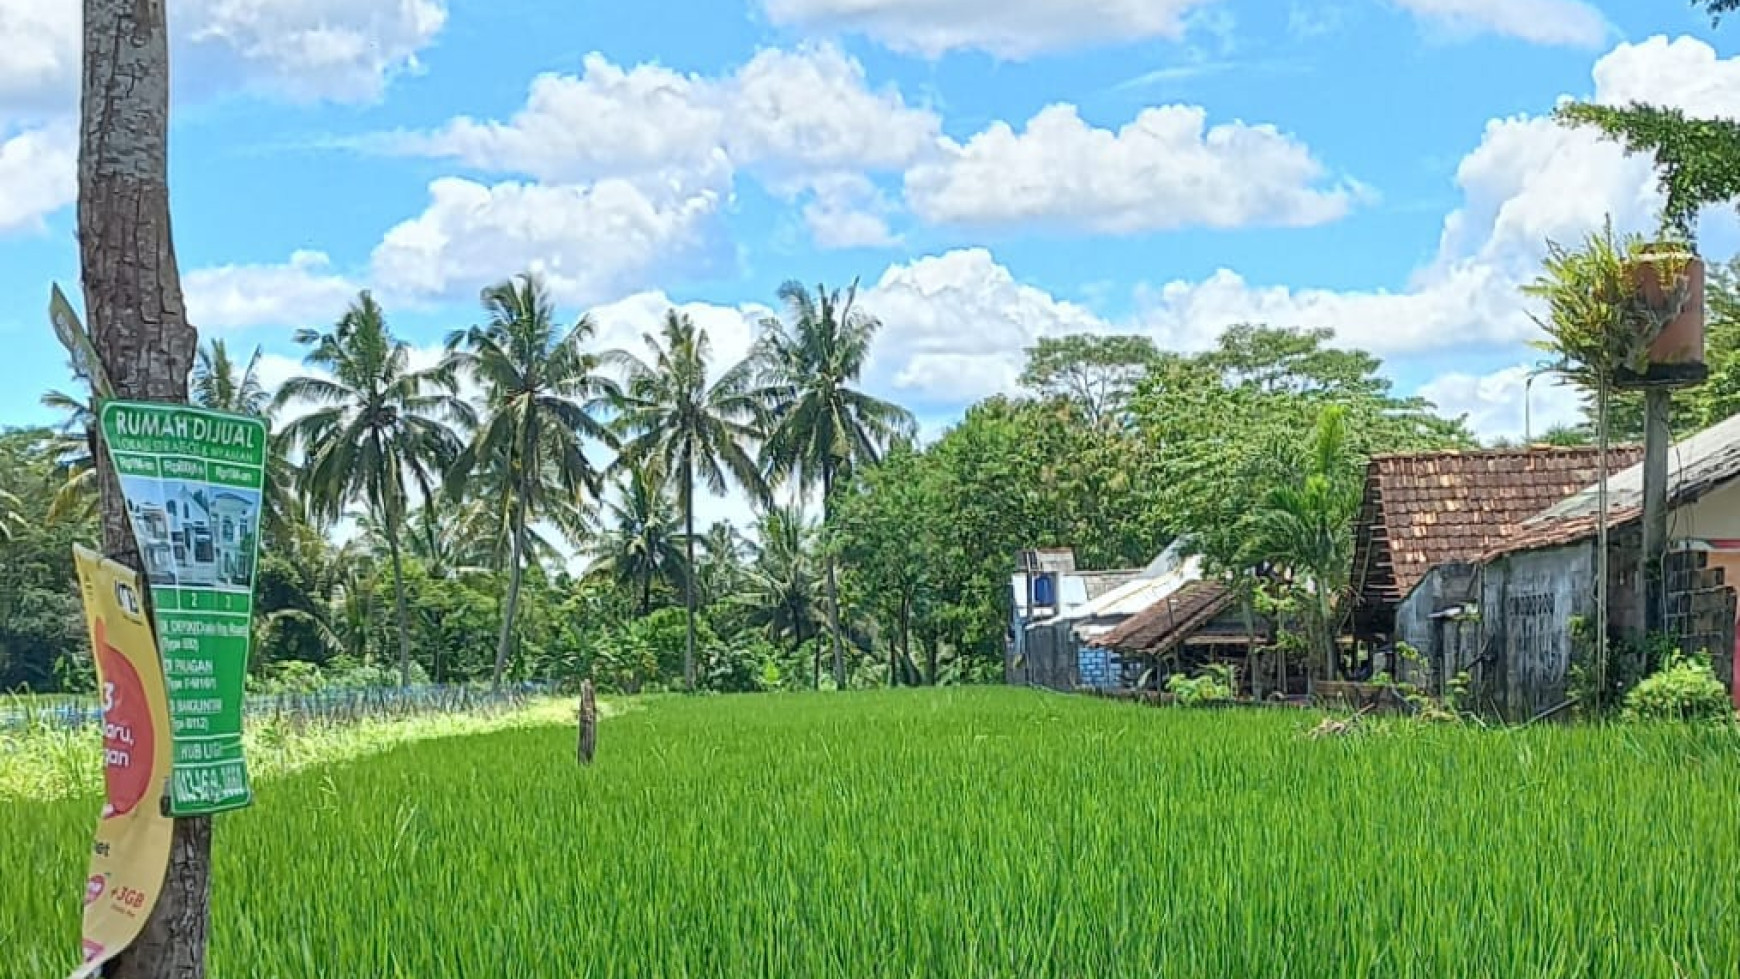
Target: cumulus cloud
<point x="305" y="291"/>
<point x="343" y="50"/>
<point x="592" y="242"/>
<point x="38" y="176"/>
<point x="1166" y="169"/>
<point x="1564" y="22"/>
<point x="790" y="115"/>
<point x="1505" y="404"/>
<point x="1014" y="29"/>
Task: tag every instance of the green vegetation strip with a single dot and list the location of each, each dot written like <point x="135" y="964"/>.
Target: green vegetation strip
<point x="48" y="762"/>
<point x="960" y="833"/>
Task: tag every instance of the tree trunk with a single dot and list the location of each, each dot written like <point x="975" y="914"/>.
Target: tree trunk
<point x="513" y="596"/>
<point x="399" y="601"/>
<point x="689" y="572"/>
<point x="138" y="323"/>
<point x="930" y="651"/>
<point x="833" y="578"/>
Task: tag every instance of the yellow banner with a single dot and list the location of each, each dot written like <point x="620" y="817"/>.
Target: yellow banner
<point x="131" y="853"/>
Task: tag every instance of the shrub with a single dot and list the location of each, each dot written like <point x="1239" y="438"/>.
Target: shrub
<point x="1684" y="689"/>
<point x="1213" y="686"/>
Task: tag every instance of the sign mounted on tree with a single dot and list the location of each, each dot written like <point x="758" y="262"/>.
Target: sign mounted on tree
<point x="194" y="482"/>
<point x="131" y="851"/>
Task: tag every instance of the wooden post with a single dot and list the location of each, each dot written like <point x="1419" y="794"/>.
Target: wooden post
<point x="588" y="723"/>
<point x="1657" y="404"/>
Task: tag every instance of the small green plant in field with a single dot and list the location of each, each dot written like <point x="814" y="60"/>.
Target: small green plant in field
<point x="1215" y="685"/>
<point x="1684" y="689"/>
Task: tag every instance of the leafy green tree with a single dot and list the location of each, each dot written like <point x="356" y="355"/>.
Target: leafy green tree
<point x="222" y="384"/>
<point x="820" y="426"/>
<point x="544" y="395"/>
<point x="1099" y="372"/>
<point x="642" y="543"/>
<point x="885" y="521"/>
<point x="1304" y="524"/>
<point x="376" y="427"/>
<point x="75" y="448"/>
<point x="698" y="428"/>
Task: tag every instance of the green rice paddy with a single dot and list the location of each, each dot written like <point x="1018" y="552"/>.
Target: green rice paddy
<point x="959" y="833"/>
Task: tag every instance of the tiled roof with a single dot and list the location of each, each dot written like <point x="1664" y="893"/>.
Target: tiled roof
<point x="1422" y="510"/>
<point x="1169" y="621"/>
<point x="1696" y="465"/>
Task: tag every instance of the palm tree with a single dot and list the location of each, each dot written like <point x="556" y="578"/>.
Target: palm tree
<point x="721" y="568"/>
<point x="780" y="583"/>
<point x="10" y="514"/>
<point x="1304" y="525"/>
<point x="696" y="427"/>
<point x="74" y="449"/>
<point x="642" y="542"/>
<point x="219" y="384"/>
<point x="377" y="427"/>
<point x="543" y="393"/>
<point x="820" y="427"/>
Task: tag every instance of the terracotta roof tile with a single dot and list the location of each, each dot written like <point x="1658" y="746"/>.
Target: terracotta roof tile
<point x="1426" y="509"/>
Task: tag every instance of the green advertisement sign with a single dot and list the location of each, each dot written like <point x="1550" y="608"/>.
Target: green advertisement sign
<point x="193" y="481"/>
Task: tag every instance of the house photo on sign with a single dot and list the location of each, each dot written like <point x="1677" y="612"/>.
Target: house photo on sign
<point x="193" y="481"/>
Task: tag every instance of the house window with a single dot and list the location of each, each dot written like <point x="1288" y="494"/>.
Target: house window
<point x="229" y="531"/>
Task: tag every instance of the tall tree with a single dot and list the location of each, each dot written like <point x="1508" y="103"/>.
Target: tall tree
<point x="544" y="394"/>
<point x="1098" y="372"/>
<point x="1304" y="524"/>
<point x="820" y="426"/>
<point x="221" y="384"/>
<point x="11" y="514"/>
<point x="699" y="428"/>
<point x="780" y="586"/>
<point x="139" y="328"/>
<point x="642" y="543"/>
<point x="376" y="427"/>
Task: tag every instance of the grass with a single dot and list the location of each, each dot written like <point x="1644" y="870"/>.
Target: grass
<point x="45" y="762"/>
<point x="959" y="833"/>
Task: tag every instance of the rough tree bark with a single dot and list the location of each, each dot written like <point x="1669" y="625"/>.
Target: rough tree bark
<point x="833" y="579"/>
<point x="516" y="572"/>
<point x="138" y="323"/>
<point x="399" y="602"/>
<point x="689" y="572"/>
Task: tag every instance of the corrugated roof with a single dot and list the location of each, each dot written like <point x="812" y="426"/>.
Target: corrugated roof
<point x="1169" y="621"/>
<point x="1422" y="510"/>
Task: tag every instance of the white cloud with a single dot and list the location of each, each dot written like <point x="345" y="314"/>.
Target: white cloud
<point x="731" y="330"/>
<point x="1504" y="404"/>
<point x="1013" y="29"/>
<point x="345" y="50"/>
<point x="1683" y="72"/>
<point x="1567" y="22"/>
<point x="848" y="211"/>
<point x="955" y="326"/>
<point x="592" y="242"/>
<point x="304" y="291"/>
<point x="1166" y="169"/>
<point x="38" y="176"/>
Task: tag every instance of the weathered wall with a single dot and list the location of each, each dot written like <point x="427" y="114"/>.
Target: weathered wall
<point x="1715" y="516"/>
<point x="1527" y="603"/>
<point x="1051" y="656"/>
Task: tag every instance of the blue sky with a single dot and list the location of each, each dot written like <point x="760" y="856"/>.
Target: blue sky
<point x="994" y="172"/>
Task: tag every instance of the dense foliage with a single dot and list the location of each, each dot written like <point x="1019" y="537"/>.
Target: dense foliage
<point x="544" y="528"/>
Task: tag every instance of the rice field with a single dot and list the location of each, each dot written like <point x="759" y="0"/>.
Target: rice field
<point x="960" y="833"/>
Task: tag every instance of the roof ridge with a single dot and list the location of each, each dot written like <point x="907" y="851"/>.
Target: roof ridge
<point x="1535" y="450"/>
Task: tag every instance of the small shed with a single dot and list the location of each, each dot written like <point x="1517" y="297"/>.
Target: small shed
<point x="1200" y="621"/>
<point x="1425" y="518"/>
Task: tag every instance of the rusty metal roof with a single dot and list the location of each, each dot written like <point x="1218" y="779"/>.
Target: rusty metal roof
<point x="1169" y="621"/>
<point x="1422" y="510"/>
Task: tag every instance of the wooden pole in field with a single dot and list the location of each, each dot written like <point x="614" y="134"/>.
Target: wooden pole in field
<point x="588" y="722"/>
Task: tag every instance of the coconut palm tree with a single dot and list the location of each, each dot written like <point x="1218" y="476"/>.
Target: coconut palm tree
<point x="75" y="442"/>
<point x="11" y="514"/>
<point x="220" y="383"/>
<point x="779" y="593"/>
<point x="699" y="428"/>
<point x="642" y="541"/>
<point x="820" y="426"/>
<point x="377" y="427"/>
<point x="544" y="394"/>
